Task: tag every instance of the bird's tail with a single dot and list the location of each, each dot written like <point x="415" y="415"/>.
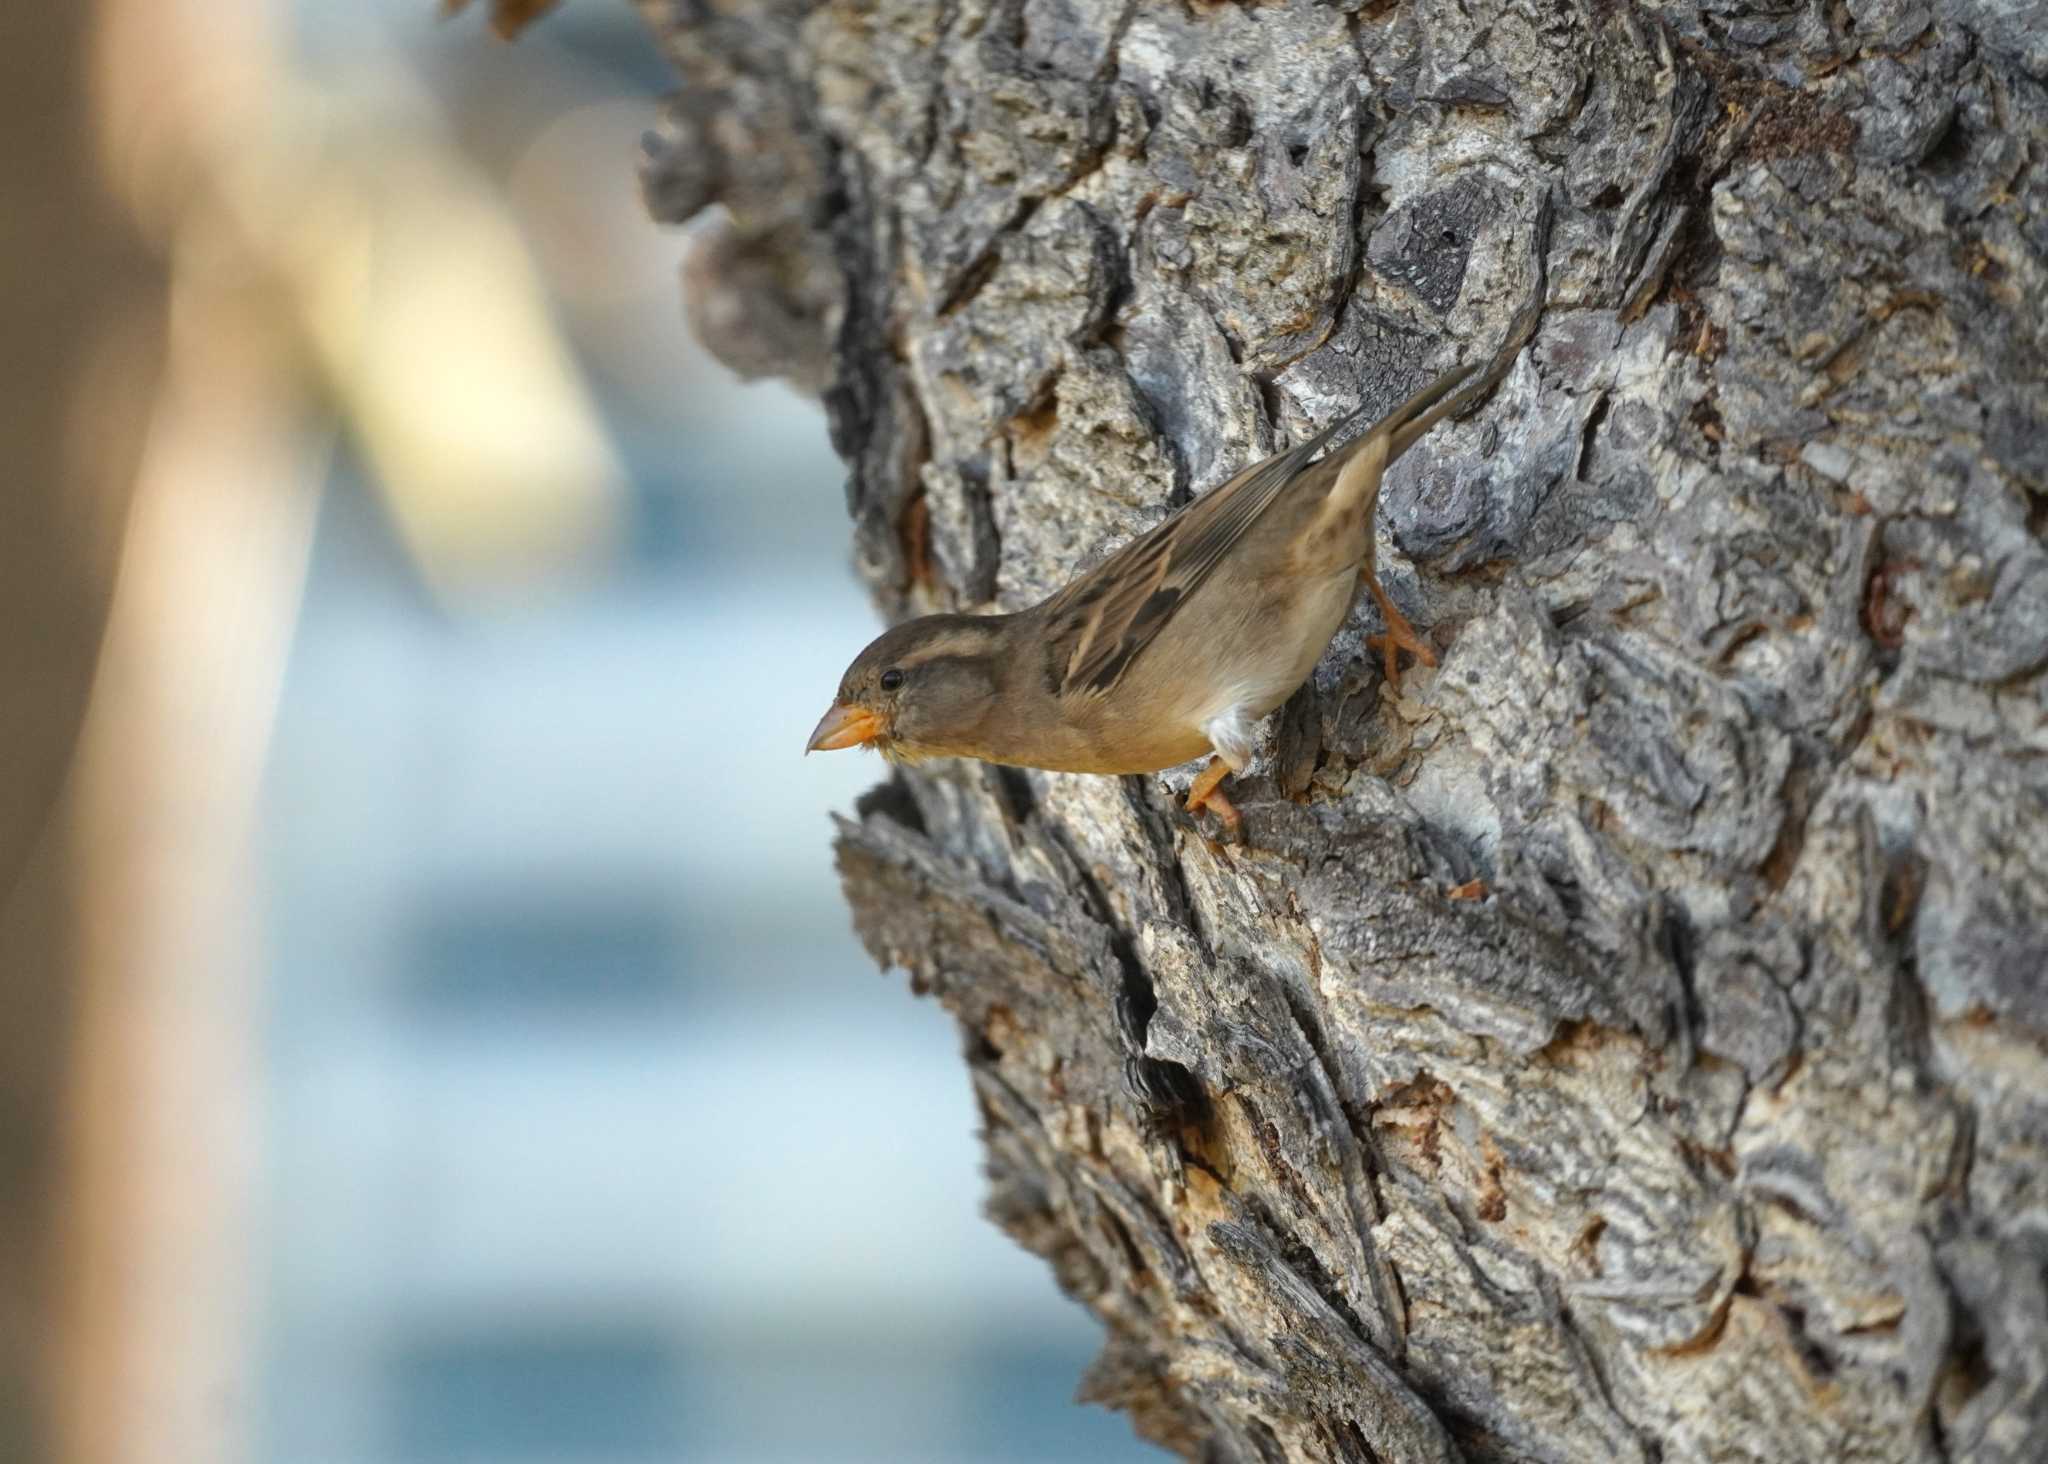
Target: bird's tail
<point x="1348" y="510"/>
<point x="1410" y="422"/>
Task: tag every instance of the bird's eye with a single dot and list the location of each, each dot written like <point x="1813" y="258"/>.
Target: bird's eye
<point x="891" y="679"/>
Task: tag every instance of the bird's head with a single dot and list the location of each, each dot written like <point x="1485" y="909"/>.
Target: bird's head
<point x="922" y="689"/>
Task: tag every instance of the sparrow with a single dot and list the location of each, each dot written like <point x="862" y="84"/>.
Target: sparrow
<point x="1174" y="646"/>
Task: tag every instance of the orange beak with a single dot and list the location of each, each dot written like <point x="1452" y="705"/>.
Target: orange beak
<point x="844" y="726"/>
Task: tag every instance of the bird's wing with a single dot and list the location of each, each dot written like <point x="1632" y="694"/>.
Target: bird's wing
<point x="1100" y="623"/>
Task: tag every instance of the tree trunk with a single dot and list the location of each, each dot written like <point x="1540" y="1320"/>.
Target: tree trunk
<point x="1628" y="1041"/>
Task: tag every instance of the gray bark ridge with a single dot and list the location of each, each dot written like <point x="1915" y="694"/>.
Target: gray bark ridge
<point x="1628" y="1041"/>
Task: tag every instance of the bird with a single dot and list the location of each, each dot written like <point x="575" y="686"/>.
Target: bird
<point x="1176" y="645"/>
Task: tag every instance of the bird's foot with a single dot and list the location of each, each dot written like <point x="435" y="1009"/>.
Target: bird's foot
<point x="1207" y="792"/>
<point x="1400" y="636"/>
<point x="1223" y="808"/>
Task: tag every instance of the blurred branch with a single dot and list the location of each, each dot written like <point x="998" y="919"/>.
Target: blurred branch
<point x="508" y="17"/>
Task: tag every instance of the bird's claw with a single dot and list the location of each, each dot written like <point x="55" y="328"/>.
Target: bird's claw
<point x="1208" y="793"/>
<point x="1226" y="812"/>
<point x="1399" y="636"/>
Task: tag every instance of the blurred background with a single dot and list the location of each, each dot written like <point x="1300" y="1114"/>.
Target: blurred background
<point x="434" y="1033"/>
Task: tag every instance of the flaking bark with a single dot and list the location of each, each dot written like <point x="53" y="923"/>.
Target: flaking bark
<point x="1629" y="1041"/>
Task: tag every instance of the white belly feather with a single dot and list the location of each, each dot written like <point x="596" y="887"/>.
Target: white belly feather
<point x="1275" y="661"/>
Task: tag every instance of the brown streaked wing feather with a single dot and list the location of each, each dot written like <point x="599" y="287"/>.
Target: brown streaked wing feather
<point x="1101" y="622"/>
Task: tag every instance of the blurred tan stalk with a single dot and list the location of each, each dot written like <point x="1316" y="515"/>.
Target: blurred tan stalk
<point x="73" y="269"/>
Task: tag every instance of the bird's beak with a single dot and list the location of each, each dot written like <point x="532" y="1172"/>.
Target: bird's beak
<point x="844" y="726"/>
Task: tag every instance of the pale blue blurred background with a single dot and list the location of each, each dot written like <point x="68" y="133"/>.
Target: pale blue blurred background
<point x="590" y="1135"/>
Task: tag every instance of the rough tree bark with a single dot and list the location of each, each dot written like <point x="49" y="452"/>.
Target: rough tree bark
<point x="1630" y="1040"/>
